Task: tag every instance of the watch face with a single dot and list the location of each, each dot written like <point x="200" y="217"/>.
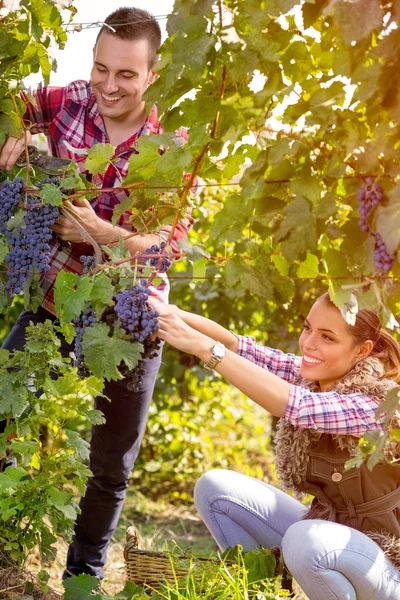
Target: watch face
<point x="219" y="350"/>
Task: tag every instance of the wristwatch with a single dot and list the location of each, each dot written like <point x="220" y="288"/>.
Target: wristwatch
<point x="217" y="354"/>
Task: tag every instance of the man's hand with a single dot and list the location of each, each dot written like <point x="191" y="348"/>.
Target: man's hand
<point x="12" y="149"/>
<point x="85" y="215"/>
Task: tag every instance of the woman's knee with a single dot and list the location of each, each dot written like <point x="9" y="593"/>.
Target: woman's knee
<point x="209" y="485"/>
<point x="297" y="546"/>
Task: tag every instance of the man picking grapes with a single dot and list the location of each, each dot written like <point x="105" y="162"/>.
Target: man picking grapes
<point x="108" y="109"/>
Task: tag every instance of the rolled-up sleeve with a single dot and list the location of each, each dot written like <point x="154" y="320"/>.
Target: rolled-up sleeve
<point x="330" y="412"/>
<point x="285" y="366"/>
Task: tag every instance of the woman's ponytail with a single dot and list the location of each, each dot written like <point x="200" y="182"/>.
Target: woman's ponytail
<point x="387" y="349"/>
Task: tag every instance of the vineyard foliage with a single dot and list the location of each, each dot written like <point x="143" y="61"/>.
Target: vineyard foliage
<point x="291" y="108"/>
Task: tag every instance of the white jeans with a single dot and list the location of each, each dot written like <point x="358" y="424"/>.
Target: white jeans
<point x="329" y="561"/>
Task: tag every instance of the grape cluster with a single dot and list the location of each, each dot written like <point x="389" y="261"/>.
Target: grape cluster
<point x="29" y="243"/>
<point x="88" y="262"/>
<point x="135" y="314"/>
<point x="10" y="196"/>
<point x="140" y="321"/>
<point x="369" y="196"/>
<point x="86" y="319"/>
<point x="383" y="260"/>
<point x="161" y="264"/>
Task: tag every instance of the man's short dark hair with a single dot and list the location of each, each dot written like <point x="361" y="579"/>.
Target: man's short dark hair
<point x="129" y="23"/>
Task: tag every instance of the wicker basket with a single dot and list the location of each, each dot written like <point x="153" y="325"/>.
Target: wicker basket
<point x="153" y="568"/>
<point x="150" y="569"/>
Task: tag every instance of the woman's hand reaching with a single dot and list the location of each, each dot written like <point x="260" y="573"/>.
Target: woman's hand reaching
<point x="181" y="336"/>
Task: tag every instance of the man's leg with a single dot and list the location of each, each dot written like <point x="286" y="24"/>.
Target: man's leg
<point x="114" y="448"/>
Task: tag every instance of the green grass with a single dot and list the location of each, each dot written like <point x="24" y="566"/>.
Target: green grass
<point x="163" y="526"/>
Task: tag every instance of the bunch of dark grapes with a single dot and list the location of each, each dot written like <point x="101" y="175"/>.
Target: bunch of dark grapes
<point x="369" y="196"/>
<point x="383" y="260"/>
<point x="139" y="321"/>
<point x="161" y="263"/>
<point x="88" y="262"/>
<point x="87" y="318"/>
<point x="30" y="243"/>
<point x="135" y="314"/>
<point x="10" y="196"/>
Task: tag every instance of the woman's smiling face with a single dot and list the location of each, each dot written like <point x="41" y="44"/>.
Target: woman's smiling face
<point x="328" y="349"/>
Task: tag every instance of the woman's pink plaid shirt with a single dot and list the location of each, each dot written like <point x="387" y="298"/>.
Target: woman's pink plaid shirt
<point x="69" y="117"/>
<point x="328" y="412"/>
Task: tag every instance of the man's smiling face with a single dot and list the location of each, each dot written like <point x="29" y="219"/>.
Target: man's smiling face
<point x="120" y="75"/>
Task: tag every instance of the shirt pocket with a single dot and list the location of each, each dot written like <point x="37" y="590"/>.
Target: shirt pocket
<point x="330" y="469"/>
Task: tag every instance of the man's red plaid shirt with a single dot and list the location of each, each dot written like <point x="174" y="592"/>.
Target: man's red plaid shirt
<point x="70" y="119"/>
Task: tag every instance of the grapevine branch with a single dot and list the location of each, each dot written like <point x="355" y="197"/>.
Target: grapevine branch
<point x="28" y="164"/>
<point x="68" y="213"/>
<point x="198" y="162"/>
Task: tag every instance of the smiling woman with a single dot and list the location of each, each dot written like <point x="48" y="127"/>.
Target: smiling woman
<point x="347" y="545"/>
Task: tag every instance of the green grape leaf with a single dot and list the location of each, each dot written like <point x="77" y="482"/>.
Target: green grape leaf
<point x="297" y="230"/>
<point x="78" y="445"/>
<point x="95" y="417"/>
<point x="33" y="293"/>
<point x="98" y="158"/>
<point x="121" y="208"/>
<point x="80" y="587"/>
<point x="340" y="290"/>
<point x="47" y="550"/>
<point x="357" y="19"/>
<point x="308" y="269"/>
<point x="193" y="252"/>
<point x="3" y="249"/>
<point x="17" y="220"/>
<point x="388" y="221"/>
<point x="51" y="194"/>
<point x="141" y="165"/>
<point x="390" y="405"/>
<point x="257" y="283"/>
<point x="132" y="591"/>
<point x="307" y="185"/>
<point x="70" y="295"/>
<point x="103" y="354"/>
<point x="280" y="263"/>
<point x="13" y="396"/>
<point x="11" y="478"/>
<point x="101" y="293"/>
<point x="10" y="125"/>
<point x="70" y="183"/>
<point x="234" y="270"/>
<point x="199" y="269"/>
<point x="260" y="564"/>
<point x="62" y="500"/>
<point x="117" y="252"/>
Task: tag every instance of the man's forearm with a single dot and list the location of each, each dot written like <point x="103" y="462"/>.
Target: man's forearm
<point x="210" y="329"/>
<point x="109" y="235"/>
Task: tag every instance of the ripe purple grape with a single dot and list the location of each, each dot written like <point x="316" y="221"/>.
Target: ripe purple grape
<point x="10" y="196"/>
<point x="85" y="319"/>
<point x="88" y="262"/>
<point x="369" y="195"/>
<point x="383" y="260"/>
<point x="140" y="321"/>
<point x="161" y="263"/>
<point x="29" y="244"/>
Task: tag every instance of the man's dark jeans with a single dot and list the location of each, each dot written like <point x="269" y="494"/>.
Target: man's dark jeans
<point x="114" y="448"/>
